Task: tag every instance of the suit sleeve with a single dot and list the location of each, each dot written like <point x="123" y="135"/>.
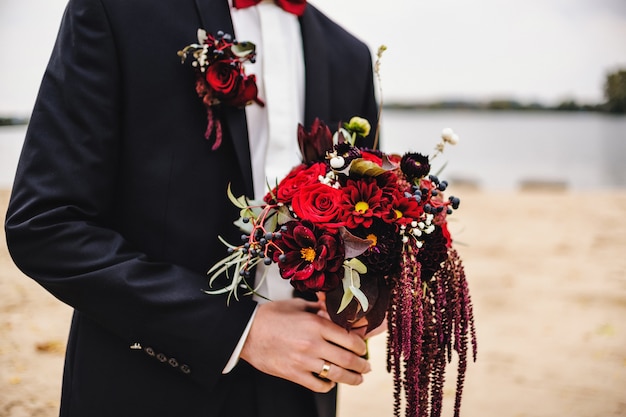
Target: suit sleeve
<point x="60" y="223"/>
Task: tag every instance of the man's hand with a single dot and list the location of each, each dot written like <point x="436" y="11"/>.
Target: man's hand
<point x="289" y="340"/>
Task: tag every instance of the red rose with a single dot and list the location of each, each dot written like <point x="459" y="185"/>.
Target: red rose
<point x="223" y="78"/>
<point x="318" y="203"/>
<point x="246" y="93"/>
<point x="310" y="257"/>
<point x="299" y="177"/>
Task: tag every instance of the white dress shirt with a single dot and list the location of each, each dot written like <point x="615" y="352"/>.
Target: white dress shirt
<point x="272" y="129"/>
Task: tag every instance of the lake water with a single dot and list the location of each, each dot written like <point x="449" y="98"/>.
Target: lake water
<point x="498" y="150"/>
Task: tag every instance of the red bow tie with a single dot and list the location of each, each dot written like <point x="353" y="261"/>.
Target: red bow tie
<point x="292" y="6"/>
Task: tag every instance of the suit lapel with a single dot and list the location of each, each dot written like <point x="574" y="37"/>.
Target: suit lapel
<point x="215" y="16"/>
<point x="317" y="76"/>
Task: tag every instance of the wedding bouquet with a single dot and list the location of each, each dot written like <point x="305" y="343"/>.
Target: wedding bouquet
<point x="370" y="231"/>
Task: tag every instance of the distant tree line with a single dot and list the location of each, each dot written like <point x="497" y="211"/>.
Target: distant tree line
<point x="9" y="121"/>
<point x="614" y="94"/>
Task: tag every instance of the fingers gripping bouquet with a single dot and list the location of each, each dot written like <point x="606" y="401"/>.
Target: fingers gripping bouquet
<point x="369" y="230"/>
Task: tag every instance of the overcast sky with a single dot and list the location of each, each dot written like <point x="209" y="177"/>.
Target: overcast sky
<point x="531" y="50"/>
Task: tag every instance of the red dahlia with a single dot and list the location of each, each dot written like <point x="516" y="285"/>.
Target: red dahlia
<point x="310" y="257"/>
<point x="362" y="202"/>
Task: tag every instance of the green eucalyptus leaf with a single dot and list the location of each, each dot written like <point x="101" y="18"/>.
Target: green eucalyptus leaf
<point x="243" y="49"/>
<point x="358" y="266"/>
<point x="284" y="216"/>
<point x="228" y="245"/>
<point x="271" y="221"/>
<point x="240" y="202"/>
<point x="244" y="227"/>
<point x="351" y="280"/>
<point x="360" y="296"/>
<point x="225" y="260"/>
<point x="345" y="301"/>
<point x="364" y="168"/>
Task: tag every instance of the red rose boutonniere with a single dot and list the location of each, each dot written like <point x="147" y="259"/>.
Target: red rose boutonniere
<point x="220" y="76"/>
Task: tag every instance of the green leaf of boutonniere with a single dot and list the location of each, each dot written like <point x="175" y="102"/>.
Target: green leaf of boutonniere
<point x="239" y="202"/>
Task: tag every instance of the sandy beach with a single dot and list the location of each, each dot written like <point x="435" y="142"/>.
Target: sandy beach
<point x="547" y="274"/>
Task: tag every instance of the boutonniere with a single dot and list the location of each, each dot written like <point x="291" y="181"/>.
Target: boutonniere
<point x="220" y="76"/>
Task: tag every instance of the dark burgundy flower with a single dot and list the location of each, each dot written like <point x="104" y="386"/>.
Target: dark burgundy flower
<point x="314" y="143"/>
<point x="310" y="257"/>
<point x="415" y="165"/>
<point x="446" y="234"/>
<point x="383" y="256"/>
<point x="433" y="253"/>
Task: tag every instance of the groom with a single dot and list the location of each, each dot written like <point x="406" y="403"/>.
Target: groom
<point x="118" y="202"/>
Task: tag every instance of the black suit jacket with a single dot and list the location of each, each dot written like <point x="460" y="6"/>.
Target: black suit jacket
<point x="118" y="201"/>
